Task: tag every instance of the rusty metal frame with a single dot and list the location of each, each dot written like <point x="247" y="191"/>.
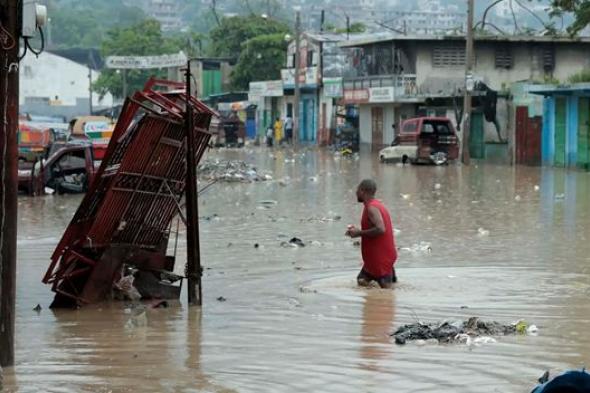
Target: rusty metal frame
<point x="137" y="190"/>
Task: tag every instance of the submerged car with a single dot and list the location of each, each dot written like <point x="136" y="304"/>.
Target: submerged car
<point x="424" y="140"/>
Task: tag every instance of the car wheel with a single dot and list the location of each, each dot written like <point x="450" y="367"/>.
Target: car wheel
<point x="439" y="158"/>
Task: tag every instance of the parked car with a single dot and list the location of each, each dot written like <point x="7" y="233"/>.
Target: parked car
<point x="94" y="129"/>
<point x="68" y="169"/>
<point x="228" y="131"/>
<point x="430" y="140"/>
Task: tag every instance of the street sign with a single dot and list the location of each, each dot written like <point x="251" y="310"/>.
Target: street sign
<point x="146" y="62"/>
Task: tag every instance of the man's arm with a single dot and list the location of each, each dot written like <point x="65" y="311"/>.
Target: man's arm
<point x="377" y="229"/>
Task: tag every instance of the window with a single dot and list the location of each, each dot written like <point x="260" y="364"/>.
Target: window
<point x="310" y="58"/>
<point x="410" y="127"/>
<point x="503" y="58"/>
<point x="448" y="56"/>
<point x="548" y="59"/>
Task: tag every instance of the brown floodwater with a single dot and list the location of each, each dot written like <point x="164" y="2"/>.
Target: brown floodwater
<point x="293" y="320"/>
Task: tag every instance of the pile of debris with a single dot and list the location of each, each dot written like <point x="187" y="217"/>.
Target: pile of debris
<point x="231" y="171"/>
<point x="460" y="331"/>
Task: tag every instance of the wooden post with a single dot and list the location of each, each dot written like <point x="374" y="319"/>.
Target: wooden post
<point x="468" y="72"/>
<point x="296" y="123"/>
<point x="9" y="78"/>
<point x="193" y="264"/>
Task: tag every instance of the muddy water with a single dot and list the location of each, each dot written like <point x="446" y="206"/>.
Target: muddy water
<point x="293" y="319"/>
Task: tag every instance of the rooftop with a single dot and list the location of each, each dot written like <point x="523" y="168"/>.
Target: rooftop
<point x="386" y="37"/>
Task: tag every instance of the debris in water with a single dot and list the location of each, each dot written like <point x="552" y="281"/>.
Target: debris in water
<point x="159" y="304"/>
<point x="294" y="242"/>
<point x="449" y="332"/>
<point x="323" y="219"/>
<point x="405" y="196"/>
<point x="517" y="198"/>
<point x="268" y="202"/>
<point x="138" y="318"/>
<point x="537" y="188"/>
<point x="422" y="247"/>
<point x="231" y="171"/>
<point x="221" y="299"/>
<point x="256" y="245"/>
<point x="483" y="232"/>
<point x="437" y="186"/>
<point x="313" y="179"/>
<point x="559" y="197"/>
<point x="38" y="308"/>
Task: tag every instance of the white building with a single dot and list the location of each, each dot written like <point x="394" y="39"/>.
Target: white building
<point x="54" y="85"/>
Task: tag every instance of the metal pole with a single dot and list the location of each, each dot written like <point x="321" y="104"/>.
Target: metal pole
<point x="90" y="88"/>
<point x="193" y="263"/>
<point x="9" y="79"/>
<point x="469" y="51"/>
<point x="297" y="71"/>
<point x="347" y="27"/>
<point x="124" y="84"/>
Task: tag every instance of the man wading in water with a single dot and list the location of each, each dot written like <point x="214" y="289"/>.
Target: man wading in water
<point x="377" y="242"/>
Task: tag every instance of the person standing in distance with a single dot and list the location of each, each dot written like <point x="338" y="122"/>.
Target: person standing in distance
<point x="377" y="240"/>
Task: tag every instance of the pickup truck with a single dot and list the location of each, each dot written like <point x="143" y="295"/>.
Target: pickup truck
<point x="68" y="169"/>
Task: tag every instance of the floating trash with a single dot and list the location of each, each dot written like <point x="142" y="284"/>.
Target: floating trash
<point x="231" y="171"/>
<point x="483" y="232"/>
<point x="471" y="332"/>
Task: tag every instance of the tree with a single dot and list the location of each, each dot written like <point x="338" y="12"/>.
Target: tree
<point x="142" y="39"/>
<point x="261" y="58"/>
<point x="227" y="39"/>
<point x="580" y="9"/>
<point x="354" y="28"/>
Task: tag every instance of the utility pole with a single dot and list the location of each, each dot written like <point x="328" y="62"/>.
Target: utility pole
<point x="124" y="84"/>
<point x="297" y="71"/>
<point x="193" y="263"/>
<point x="347" y="27"/>
<point x="90" y="89"/>
<point x="9" y="78"/>
<point x="469" y="52"/>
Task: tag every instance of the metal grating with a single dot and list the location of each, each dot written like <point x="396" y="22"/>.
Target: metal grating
<point x="136" y="192"/>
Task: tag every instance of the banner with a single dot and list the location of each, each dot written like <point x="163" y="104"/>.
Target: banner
<point x="146" y="62"/>
<point x="381" y="94"/>
<point x="333" y="87"/>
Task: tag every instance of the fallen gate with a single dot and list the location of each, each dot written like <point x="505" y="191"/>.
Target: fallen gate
<point x="125" y="218"/>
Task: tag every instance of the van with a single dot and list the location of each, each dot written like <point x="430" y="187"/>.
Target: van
<point x="426" y="140"/>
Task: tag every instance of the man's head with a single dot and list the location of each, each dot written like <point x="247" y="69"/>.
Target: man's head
<point x="366" y="190"/>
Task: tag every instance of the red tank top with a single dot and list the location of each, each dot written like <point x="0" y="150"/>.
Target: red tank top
<point x="379" y="253"/>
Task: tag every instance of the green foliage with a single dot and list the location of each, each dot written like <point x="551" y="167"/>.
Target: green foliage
<point x="580" y="77"/>
<point x="84" y="24"/>
<point x="261" y="58"/>
<point x="580" y="9"/>
<point x="227" y="39"/>
<point x="142" y="39"/>
<point x="355" y="28"/>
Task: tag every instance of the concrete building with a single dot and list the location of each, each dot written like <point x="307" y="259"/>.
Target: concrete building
<point x="403" y="76"/>
<point x="51" y="85"/>
<point x="167" y="12"/>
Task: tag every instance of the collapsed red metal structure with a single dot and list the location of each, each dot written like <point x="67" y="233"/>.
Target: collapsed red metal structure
<point x="126" y="215"/>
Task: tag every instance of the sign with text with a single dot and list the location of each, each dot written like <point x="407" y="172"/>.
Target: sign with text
<point x="356" y="96"/>
<point x="265" y="89"/>
<point x="333" y="87"/>
<point x="381" y="94"/>
<point x="146" y="62"/>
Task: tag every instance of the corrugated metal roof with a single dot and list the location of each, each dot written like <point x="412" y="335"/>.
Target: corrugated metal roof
<point x="571" y="89"/>
<point x="386" y="37"/>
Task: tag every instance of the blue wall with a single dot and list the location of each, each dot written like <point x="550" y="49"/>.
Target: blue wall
<point x="571" y="146"/>
<point x="548" y="138"/>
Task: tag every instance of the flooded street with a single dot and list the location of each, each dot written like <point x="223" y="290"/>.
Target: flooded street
<point x="478" y="241"/>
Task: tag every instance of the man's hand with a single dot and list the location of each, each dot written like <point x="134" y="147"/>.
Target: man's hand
<point x="353" y="232"/>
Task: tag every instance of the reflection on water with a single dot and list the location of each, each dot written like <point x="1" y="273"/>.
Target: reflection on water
<point x="294" y="320"/>
<point x="377" y="322"/>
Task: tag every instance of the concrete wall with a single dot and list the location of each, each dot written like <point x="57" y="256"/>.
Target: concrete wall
<point x="527" y="65"/>
<point x="366" y="123"/>
<point x="49" y="76"/>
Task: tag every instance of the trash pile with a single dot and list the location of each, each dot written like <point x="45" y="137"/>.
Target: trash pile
<point x="471" y="332"/>
<point x="231" y="171"/>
